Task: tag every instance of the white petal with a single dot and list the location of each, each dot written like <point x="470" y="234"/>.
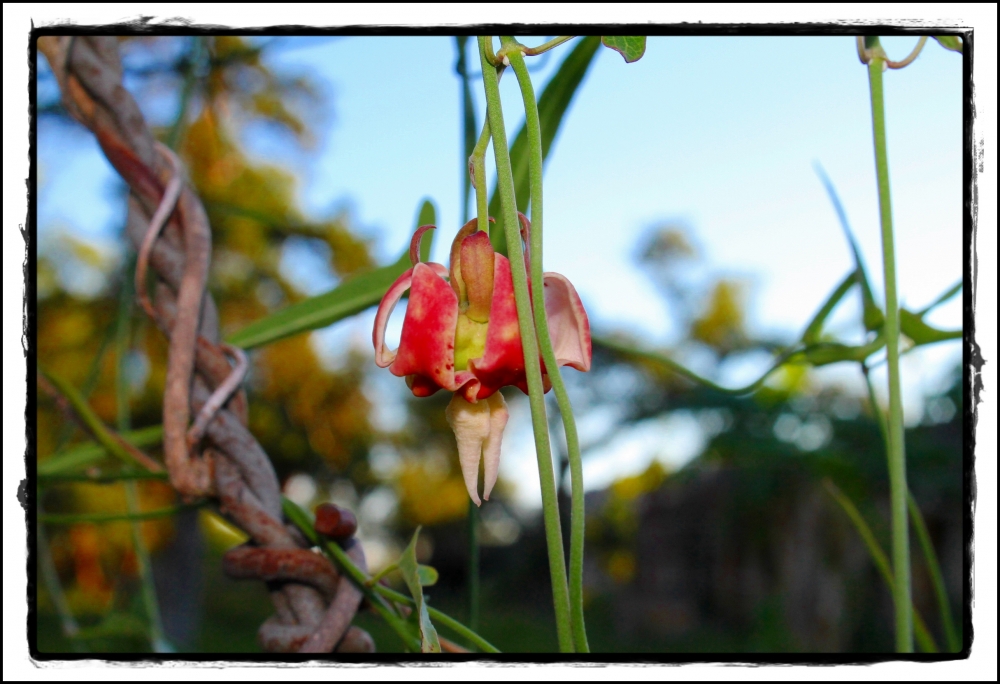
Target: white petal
<point x="471" y="424"/>
<point x="491" y="447"/>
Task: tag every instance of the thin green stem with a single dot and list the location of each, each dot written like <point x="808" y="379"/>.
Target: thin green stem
<point x="101" y="478"/>
<point x="123" y="334"/>
<point x="577" y="517"/>
<point x="377" y="594"/>
<point x="477" y="167"/>
<point x="934" y="570"/>
<point x="76" y="518"/>
<point x="468" y="122"/>
<point x="112" y="442"/>
<point x="301" y="520"/>
<point x="529" y="344"/>
<point x="881" y="561"/>
<point x="468" y="168"/>
<point x="50" y="577"/>
<point x="187" y="89"/>
<point x="472" y="528"/>
<point x="897" y="454"/>
<point x="545" y="47"/>
<point x="88" y="453"/>
<point x="920" y="526"/>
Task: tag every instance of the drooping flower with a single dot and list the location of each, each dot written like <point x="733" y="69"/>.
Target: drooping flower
<point x="462" y="335"/>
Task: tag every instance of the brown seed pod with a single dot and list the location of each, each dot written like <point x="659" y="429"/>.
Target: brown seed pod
<point x="335" y="522"/>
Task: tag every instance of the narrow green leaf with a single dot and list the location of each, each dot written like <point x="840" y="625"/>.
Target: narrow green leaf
<point x="632" y="48"/>
<point x="74" y="518"/>
<point x="913" y="326"/>
<point x="934" y="570"/>
<point x="948" y="294"/>
<point x="873" y="317"/>
<point x="428" y="575"/>
<point x="950" y="42"/>
<point x="815" y="327"/>
<point x="881" y="561"/>
<point x="552" y="106"/>
<point x="409" y="568"/>
<point x="91" y="452"/>
<point x="350" y="297"/>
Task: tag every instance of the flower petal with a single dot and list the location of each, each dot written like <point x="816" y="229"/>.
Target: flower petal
<point x="568" y="323"/>
<point x="471" y="424"/>
<point x="383" y="355"/>
<point x="502" y="362"/>
<point x="491" y="447"/>
<point x="427" y="343"/>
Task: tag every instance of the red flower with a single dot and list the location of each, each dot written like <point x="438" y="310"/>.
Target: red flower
<point x="462" y="335"/>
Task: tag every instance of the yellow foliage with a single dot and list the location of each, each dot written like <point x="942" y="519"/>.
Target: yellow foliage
<point x="629" y="488"/>
<point x="430" y="495"/>
<point x="722" y="324"/>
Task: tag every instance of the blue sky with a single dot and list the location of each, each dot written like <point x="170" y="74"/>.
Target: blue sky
<point x="720" y="134"/>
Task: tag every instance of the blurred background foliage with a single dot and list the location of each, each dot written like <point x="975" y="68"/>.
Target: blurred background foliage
<point x="739" y="550"/>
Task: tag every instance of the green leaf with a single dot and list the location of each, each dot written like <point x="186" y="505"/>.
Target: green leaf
<point x="350" y="297"/>
<point x="552" y="106"/>
<point x="948" y="294"/>
<point x="815" y="327"/>
<point x="950" y="42"/>
<point x="881" y="561"/>
<point x="833" y="352"/>
<point x="91" y="452"/>
<point x="632" y="48"/>
<point x="913" y="326"/>
<point x="410" y="569"/>
<point x="872" y="316"/>
<point x="428" y="575"/>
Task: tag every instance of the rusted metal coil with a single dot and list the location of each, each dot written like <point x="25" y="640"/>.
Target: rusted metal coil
<point x="217" y="456"/>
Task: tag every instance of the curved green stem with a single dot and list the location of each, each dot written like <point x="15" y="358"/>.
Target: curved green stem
<point x="897" y="454"/>
<point x="477" y="167"/>
<point x="529" y="344"/>
<point x="578" y="517"/>
<point x="545" y="47"/>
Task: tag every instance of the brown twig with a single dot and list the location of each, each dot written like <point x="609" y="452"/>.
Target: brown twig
<point x="169" y="227"/>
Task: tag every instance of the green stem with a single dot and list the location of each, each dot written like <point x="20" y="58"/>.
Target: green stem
<point x="545" y="47"/>
<point x="468" y="167"/>
<point x="76" y="518"/>
<point x="90" y="452"/>
<point x="478" y="163"/>
<point x="377" y="594"/>
<point x="934" y="569"/>
<point x="897" y="455"/>
<point x="529" y="344"/>
<point x="187" y="89"/>
<point x="473" y="588"/>
<point x="99" y="478"/>
<point x="577" y="518"/>
<point x="50" y="576"/>
<point x="111" y="442"/>
<point x="920" y="526"/>
<point x="881" y="561"/>
<point x="468" y="122"/>
<point x="123" y="333"/>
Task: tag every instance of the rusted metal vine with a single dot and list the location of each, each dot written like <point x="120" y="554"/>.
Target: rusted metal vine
<point x="216" y="456"/>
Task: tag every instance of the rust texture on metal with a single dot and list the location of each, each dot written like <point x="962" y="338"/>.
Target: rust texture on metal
<point x="217" y="456"/>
